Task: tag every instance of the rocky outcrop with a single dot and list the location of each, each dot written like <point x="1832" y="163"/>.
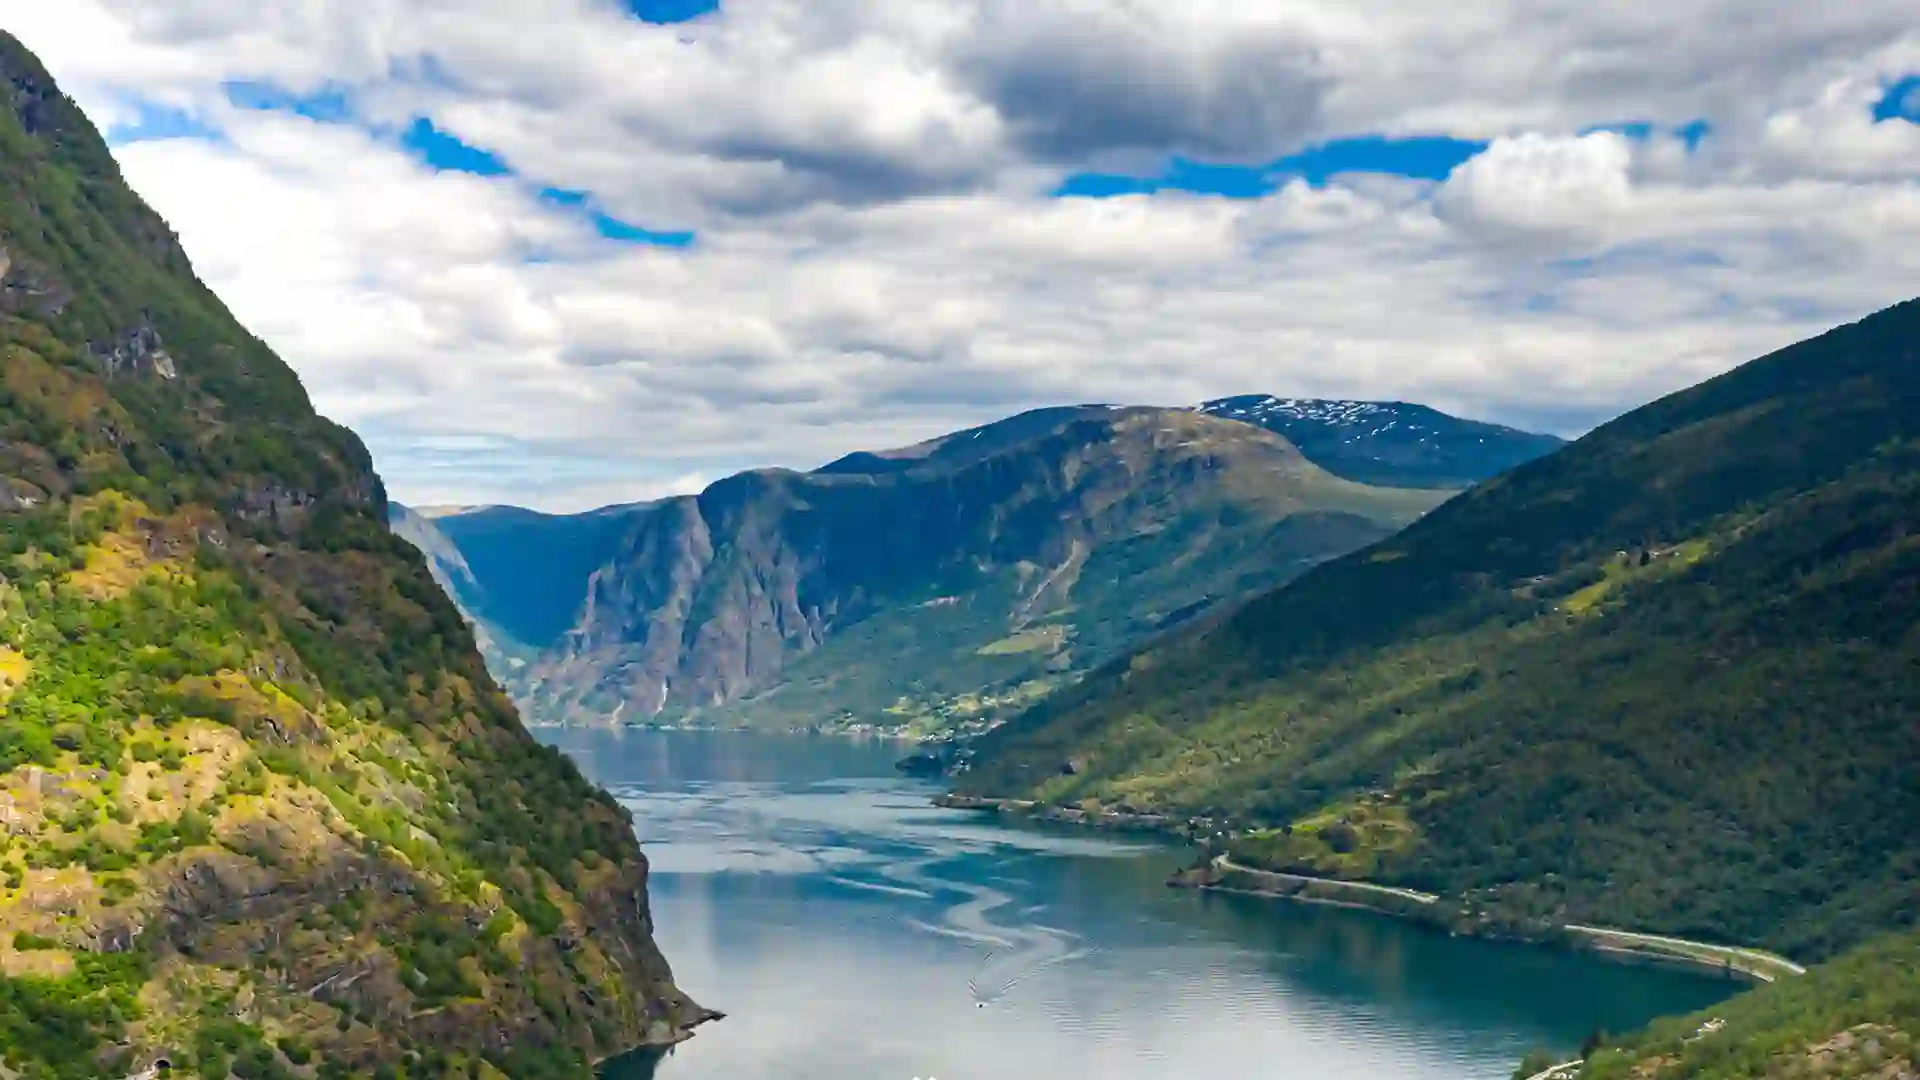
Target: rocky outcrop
<point x="18" y="494"/>
<point x="24" y="291"/>
<point x="138" y="352"/>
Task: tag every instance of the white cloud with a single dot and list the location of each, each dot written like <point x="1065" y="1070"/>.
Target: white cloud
<point x="1544" y="188"/>
<point x="877" y="258"/>
<point x="1836" y="136"/>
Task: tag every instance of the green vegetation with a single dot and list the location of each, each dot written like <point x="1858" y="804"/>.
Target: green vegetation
<point x="1661" y="680"/>
<point x="1349" y="840"/>
<point x="1855" y="1018"/>
<point x="221" y="676"/>
<point x="1045" y="639"/>
<point x="56" y="1028"/>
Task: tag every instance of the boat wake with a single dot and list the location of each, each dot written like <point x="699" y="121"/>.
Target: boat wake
<point x="993" y="981"/>
<point x="1015" y="951"/>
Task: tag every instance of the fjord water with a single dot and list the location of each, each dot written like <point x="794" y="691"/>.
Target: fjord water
<point x="852" y="931"/>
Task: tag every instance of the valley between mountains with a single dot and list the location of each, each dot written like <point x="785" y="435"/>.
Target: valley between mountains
<point x="1661" y="679"/>
<point x="266" y="813"/>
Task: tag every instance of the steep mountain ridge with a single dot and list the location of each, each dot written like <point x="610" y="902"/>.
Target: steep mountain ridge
<point x="935" y="584"/>
<point x="1394" y="443"/>
<point x="265" y="812"/>
<point x="1660" y="679"/>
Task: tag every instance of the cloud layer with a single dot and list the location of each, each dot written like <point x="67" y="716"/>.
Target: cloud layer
<point x="878" y="256"/>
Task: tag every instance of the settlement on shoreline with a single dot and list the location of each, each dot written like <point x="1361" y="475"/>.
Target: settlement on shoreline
<point x="1222" y="874"/>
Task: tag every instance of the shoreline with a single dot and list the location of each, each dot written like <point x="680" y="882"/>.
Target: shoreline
<point x="656" y="1048"/>
<point x="1621" y="946"/>
<point x="1225" y="876"/>
<point x="1029" y="808"/>
<point x="874" y="735"/>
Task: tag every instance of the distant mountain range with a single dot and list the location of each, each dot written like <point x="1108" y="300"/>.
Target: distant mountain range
<point x="944" y="584"/>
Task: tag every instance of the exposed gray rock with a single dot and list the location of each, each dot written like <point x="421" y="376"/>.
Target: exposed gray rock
<point x="24" y="290"/>
<point x="275" y="503"/>
<point x="18" y="494"/>
<point x="137" y="352"/>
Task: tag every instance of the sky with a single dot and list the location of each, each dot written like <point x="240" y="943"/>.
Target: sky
<point x="563" y="253"/>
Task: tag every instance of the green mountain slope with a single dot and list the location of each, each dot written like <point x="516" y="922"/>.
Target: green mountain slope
<point x="265" y="814"/>
<point x="936" y="586"/>
<point x="1856" y="1018"/>
<point x="1662" y="679"/>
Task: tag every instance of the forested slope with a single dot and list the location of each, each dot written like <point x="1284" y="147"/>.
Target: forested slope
<point x="1855" y="1018"/>
<point x="1664" y="678"/>
<point x="264" y="812"/>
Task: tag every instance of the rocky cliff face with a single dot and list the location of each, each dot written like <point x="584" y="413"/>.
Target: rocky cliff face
<point x="935" y="583"/>
<point x="262" y="810"/>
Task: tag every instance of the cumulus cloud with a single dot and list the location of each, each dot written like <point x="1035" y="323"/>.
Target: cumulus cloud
<point x="1545" y="189"/>
<point x="1835" y="135"/>
<point x="878" y="261"/>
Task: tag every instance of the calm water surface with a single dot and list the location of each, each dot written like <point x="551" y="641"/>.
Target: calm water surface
<point x="853" y="932"/>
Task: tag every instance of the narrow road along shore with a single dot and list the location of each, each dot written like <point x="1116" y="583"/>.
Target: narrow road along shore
<point x="1222" y="874"/>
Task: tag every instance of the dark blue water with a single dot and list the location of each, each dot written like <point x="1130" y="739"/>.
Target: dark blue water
<point x="853" y="932"/>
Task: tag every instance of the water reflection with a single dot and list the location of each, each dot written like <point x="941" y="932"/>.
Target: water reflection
<point x="639" y="1065"/>
<point x="847" y="928"/>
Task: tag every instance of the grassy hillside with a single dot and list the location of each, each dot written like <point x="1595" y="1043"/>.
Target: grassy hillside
<point x="1856" y="1018"/>
<point x="265" y="813"/>
<point x="1663" y="679"/>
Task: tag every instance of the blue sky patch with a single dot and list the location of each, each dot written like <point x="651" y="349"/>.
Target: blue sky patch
<point x="1429" y="157"/>
<point x="447" y="153"/>
<point x="1694" y="134"/>
<point x="1426" y="157"/>
<point x="612" y="228"/>
<point x="329" y="104"/>
<point x="1900" y="102"/>
<point x="152" y="123"/>
<point x="671" y="11"/>
<point x="1637" y="130"/>
<point x="333" y="105"/>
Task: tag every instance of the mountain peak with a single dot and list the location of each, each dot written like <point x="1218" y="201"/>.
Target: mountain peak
<point x="1393" y="443"/>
